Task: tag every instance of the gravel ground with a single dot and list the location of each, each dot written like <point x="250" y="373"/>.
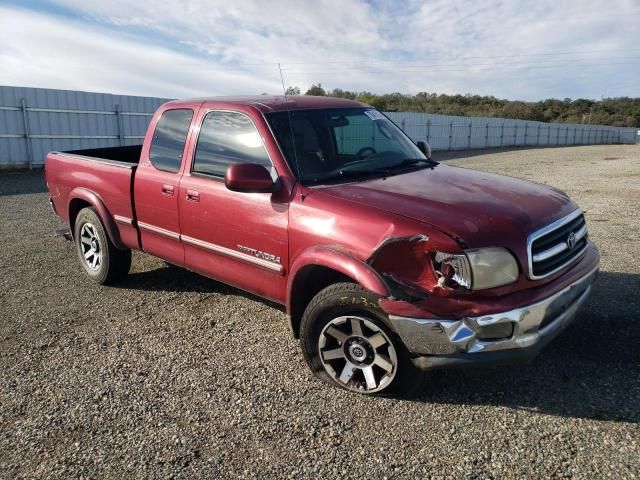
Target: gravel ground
<point x="174" y="375"/>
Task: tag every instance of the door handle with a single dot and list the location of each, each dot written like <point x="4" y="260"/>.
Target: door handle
<point x="193" y="196"/>
<point x="167" y="189"/>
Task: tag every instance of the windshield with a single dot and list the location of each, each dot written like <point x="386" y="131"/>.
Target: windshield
<point x="337" y="145"/>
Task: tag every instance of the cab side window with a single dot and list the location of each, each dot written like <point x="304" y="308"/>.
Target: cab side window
<point x="227" y="138"/>
<point x="167" y="145"/>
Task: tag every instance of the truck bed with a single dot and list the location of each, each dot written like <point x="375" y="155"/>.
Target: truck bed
<point x="118" y="155"/>
<point x="102" y="177"/>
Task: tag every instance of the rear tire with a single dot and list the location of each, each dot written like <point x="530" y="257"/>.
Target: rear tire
<point x="99" y="257"/>
<point x="346" y="342"/>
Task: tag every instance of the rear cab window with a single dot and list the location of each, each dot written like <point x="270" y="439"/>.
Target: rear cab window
<point x="227" y="138"/>
<point x="169" y="137"/>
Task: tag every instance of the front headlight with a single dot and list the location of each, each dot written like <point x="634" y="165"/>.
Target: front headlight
<point x="476" y="269"/>
<point x="452" y="269"/>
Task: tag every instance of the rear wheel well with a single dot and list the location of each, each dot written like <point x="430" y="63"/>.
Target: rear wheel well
<point x="75" y="206"/>
<point x="307" y="284"/>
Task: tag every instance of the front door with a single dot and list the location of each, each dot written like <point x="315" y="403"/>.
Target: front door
<point x="156" y="186"/>
<point x="238" y="238"/>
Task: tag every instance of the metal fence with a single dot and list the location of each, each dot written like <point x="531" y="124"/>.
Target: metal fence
<point x="34" y="121"/>
<point x="444" y="132"/>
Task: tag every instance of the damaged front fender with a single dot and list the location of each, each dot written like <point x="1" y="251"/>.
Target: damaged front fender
<point x="404" y="262"/>
<point x="343" y="262"/>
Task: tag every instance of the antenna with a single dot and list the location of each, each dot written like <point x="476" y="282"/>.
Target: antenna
<point x="293" y="139"/>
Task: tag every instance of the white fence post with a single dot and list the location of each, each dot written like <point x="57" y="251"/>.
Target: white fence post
<point x="27" y="132"/>
<point x="119" y="124"/>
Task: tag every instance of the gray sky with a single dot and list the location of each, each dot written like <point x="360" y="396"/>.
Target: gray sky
<point x="510" y="49"/>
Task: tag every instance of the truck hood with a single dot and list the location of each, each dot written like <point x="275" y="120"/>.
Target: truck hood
<point x="473" y="206"/>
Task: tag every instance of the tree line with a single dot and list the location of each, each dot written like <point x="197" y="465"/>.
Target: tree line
<point x="619" y="112"/>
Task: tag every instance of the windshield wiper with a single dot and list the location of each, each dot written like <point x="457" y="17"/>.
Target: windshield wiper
<point x="413" y="161"/>
<point x="407" y="162"/>
<point x="344" y="175"/>
<point x="350" y="174"/>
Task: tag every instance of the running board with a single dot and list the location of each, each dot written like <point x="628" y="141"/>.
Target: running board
<point x="64" y="232"/>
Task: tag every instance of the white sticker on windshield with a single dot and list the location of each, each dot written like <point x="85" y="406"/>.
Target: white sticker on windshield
<point x="374" y="115"/>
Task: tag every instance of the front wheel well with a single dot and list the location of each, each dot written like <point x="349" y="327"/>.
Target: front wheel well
<point x="309" y="281"/>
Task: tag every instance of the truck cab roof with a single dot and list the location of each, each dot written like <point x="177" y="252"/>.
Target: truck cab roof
<point x="275" y="103"/>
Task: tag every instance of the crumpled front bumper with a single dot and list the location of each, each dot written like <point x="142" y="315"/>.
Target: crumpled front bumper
<point x="443" y="343"/>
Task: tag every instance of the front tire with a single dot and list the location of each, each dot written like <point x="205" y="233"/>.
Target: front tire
<point x="346" y="342"/>
<point x="99" y="257"/>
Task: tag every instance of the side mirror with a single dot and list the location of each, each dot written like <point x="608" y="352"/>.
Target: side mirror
<point x="424" y="148"/>
<point x="248" y="178"/>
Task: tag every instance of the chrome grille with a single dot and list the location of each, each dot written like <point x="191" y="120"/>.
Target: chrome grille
<point x="550" y="248"/>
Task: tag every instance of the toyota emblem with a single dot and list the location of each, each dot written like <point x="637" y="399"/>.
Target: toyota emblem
<point x="571" y="240"/>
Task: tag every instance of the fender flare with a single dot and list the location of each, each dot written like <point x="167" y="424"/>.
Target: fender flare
<point x="95" y="201"/>
<point x="340" y="261"/>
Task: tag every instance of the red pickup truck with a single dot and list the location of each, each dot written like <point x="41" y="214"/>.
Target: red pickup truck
<point x="388" y="262"/>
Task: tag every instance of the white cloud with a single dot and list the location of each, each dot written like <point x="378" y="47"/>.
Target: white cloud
<point x="45" y="51"/>
<point x="199" y="47"/>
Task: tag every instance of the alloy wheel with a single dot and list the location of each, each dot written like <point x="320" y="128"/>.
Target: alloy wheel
<point x="90" y="246"/>
<point x="357" y="354"/>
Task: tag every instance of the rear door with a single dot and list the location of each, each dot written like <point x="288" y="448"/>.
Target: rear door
<point x="238" y="238"/>
<point x="157" y="182"/>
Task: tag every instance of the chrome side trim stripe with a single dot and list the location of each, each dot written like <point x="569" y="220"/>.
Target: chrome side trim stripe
<point x="212" y="247"/>
<point x="233" y="254"/>
<point x="160" y="231"/>
<point x="123" y="220"/>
